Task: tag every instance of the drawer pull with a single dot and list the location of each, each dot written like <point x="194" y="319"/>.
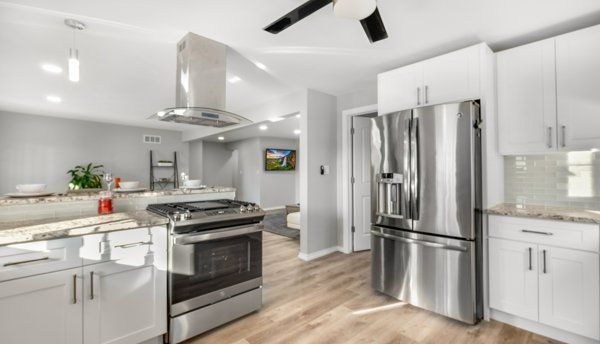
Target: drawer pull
<point x="26" y="261"/>
<point x="135" y="244"/>
<point x="536" y="232"/>
<point x="530" y="265"/>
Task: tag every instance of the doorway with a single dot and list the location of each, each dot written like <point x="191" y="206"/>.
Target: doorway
<point x="355" y="179"/>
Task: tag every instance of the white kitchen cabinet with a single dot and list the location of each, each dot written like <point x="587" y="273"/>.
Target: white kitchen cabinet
<point x="578" y="85"/>
<point x="124" y="303"/>
<point x="400" y="89"/>
<point x="569" y="290"/>
<point x="447" y="78"/>
<point x="452" y="77"/>
<point x="527" y="99"/>
<point x="45" y="308"/>
<point x="514" y="277"/>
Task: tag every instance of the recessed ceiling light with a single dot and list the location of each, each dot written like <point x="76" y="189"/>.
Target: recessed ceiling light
<point x="220" y="138"/>
<point x="260" y="65"/>
<point x="298" y="115"/>
<point x="276" y="119"/>
<point x="234" y="79"/>
<point x="263" y="127"/>
<point x="297" y="131"/>
<point x="52" y="68"/>
<point x="53" y="99"/>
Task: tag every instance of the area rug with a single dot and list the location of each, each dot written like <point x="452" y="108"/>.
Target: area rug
<point x="275" y="222"/>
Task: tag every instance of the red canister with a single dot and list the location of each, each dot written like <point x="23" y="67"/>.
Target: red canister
<point x="105" y="203"/>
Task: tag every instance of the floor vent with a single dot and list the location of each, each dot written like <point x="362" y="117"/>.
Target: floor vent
<point x="152" y="139"/>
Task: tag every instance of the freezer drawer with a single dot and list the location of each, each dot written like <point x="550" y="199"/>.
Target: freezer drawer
<point x="434" y="273"/>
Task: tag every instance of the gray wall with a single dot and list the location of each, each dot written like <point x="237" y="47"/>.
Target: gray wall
<point x="219" y="164"/>
<point x="249" y="167"/>
<point x="196" y="150"/>
<point x="278" y="188"/>
<point x="562" y="179"/>
<point x="320" y="134"/>
<point x="40" y="149"/>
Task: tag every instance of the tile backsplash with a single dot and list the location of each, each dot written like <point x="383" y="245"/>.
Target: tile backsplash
<point x="562" y="179"/>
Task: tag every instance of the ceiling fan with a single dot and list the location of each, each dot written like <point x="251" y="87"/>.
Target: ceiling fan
<point x="364" y="10"/>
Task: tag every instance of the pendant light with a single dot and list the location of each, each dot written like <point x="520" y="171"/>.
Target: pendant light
<point x="73" y="51"/>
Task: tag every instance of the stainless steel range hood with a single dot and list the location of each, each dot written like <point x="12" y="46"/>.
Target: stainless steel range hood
<point x="201" y="86"/>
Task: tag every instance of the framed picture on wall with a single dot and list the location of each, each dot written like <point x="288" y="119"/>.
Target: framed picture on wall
<point x="280" y="159"/>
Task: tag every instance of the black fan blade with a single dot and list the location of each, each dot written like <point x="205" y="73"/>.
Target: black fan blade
<point x="373" y="26"/>
<point x="296" y="15"/>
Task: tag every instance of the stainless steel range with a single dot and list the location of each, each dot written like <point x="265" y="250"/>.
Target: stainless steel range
<point x="215" y="263"/>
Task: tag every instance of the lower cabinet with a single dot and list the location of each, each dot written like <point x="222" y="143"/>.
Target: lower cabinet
<point x="569" y="290"/>
<point x="555" y="286"/>
<point x="514" y="278"/>
<point x="42" y="309"/>
<point x="123" y="303"/>
<point x="121" y="299"/>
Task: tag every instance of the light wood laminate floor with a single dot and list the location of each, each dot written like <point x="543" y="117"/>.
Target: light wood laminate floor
<point x="329" y="300"/>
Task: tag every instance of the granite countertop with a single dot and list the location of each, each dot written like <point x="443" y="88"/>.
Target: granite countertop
<point x="73" y="197"/>
<point x="547" y="212"/>
<point x="56" y="228"/>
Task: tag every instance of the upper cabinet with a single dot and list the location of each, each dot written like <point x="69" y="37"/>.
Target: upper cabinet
<point x="527" y="99"/>
<point x="447" y="78"/>
<point x="547" y="95"/>
<point x="578" y="89"/>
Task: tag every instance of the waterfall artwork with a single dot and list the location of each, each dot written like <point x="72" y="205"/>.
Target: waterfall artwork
<point x="280" y="159"/>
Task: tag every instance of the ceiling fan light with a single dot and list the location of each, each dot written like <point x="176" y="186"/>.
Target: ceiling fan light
<point x="354" y="9"/>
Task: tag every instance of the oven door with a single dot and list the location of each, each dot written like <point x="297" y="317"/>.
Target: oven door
<point x="207" y="267"/>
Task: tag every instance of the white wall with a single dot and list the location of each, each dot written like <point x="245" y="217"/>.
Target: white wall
<point x="219" y="164"/>
<point x="41" y="149"/>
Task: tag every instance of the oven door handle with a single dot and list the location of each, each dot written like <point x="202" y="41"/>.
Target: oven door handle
<point x="236" y="231"/>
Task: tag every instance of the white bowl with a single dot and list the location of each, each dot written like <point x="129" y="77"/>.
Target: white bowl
<point x="31" y="188"/>
<point x="129" y="185"/>
<point x="193" y="183"/>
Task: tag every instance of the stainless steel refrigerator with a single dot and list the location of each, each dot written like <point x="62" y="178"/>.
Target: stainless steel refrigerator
<point x="426" y="208"/>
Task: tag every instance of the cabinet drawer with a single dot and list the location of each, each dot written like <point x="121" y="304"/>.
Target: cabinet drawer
<point x="581" y="236"/>
<point x="22" y="260"/>
<point x="129" y="246"/>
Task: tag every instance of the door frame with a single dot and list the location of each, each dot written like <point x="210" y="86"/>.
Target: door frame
<point x="346" y="204"/>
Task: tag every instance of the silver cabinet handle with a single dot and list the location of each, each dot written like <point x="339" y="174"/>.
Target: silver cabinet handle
<point x="26" y="261"/>
<point x="426" y="94"/>
<point x="75" y="289"/>
<point x="91" y="285"/>
<point x="544" y="258"/>
<point x="134" y="244"/>
<point x="530" y="265"/>
<point x="563" y="129"/>
<point x="185" y="239"/>
<point x="419" y="242"/>
<point x="536" y="232"/>
<point x="418" y="96"/>
<point x="549" y="137"/>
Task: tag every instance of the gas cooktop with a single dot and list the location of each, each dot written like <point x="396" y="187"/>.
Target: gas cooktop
<point x="202" y="215"/>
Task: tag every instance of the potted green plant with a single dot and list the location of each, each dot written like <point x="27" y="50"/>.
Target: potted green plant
<point x="87" y="178"/>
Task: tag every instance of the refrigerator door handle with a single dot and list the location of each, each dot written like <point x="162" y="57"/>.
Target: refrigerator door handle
<point x="414" y="168"/>
<point x="419" y="242"/>
<point x="406" y="199"/>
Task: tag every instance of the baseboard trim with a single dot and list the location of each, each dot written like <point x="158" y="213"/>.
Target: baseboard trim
<point x="318" y="254"/>
<point x="343" y="250"/>
<point x="544" y="330"/>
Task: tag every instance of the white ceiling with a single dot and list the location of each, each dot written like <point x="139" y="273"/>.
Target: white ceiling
<point x="128" y="52"/>
<point x="283" y="129"/>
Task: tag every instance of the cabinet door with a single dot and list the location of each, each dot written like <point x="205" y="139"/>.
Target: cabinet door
<point x="569" y="290"/>
<point x="527" y="99"/>
<point x="578" y="85"/>
<point x="126" y="299"/>
<point x="42" y="309"/>
<point x="400" y="89"/>
<point x="452" y="77"/>
<point x="514" y="278"/>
